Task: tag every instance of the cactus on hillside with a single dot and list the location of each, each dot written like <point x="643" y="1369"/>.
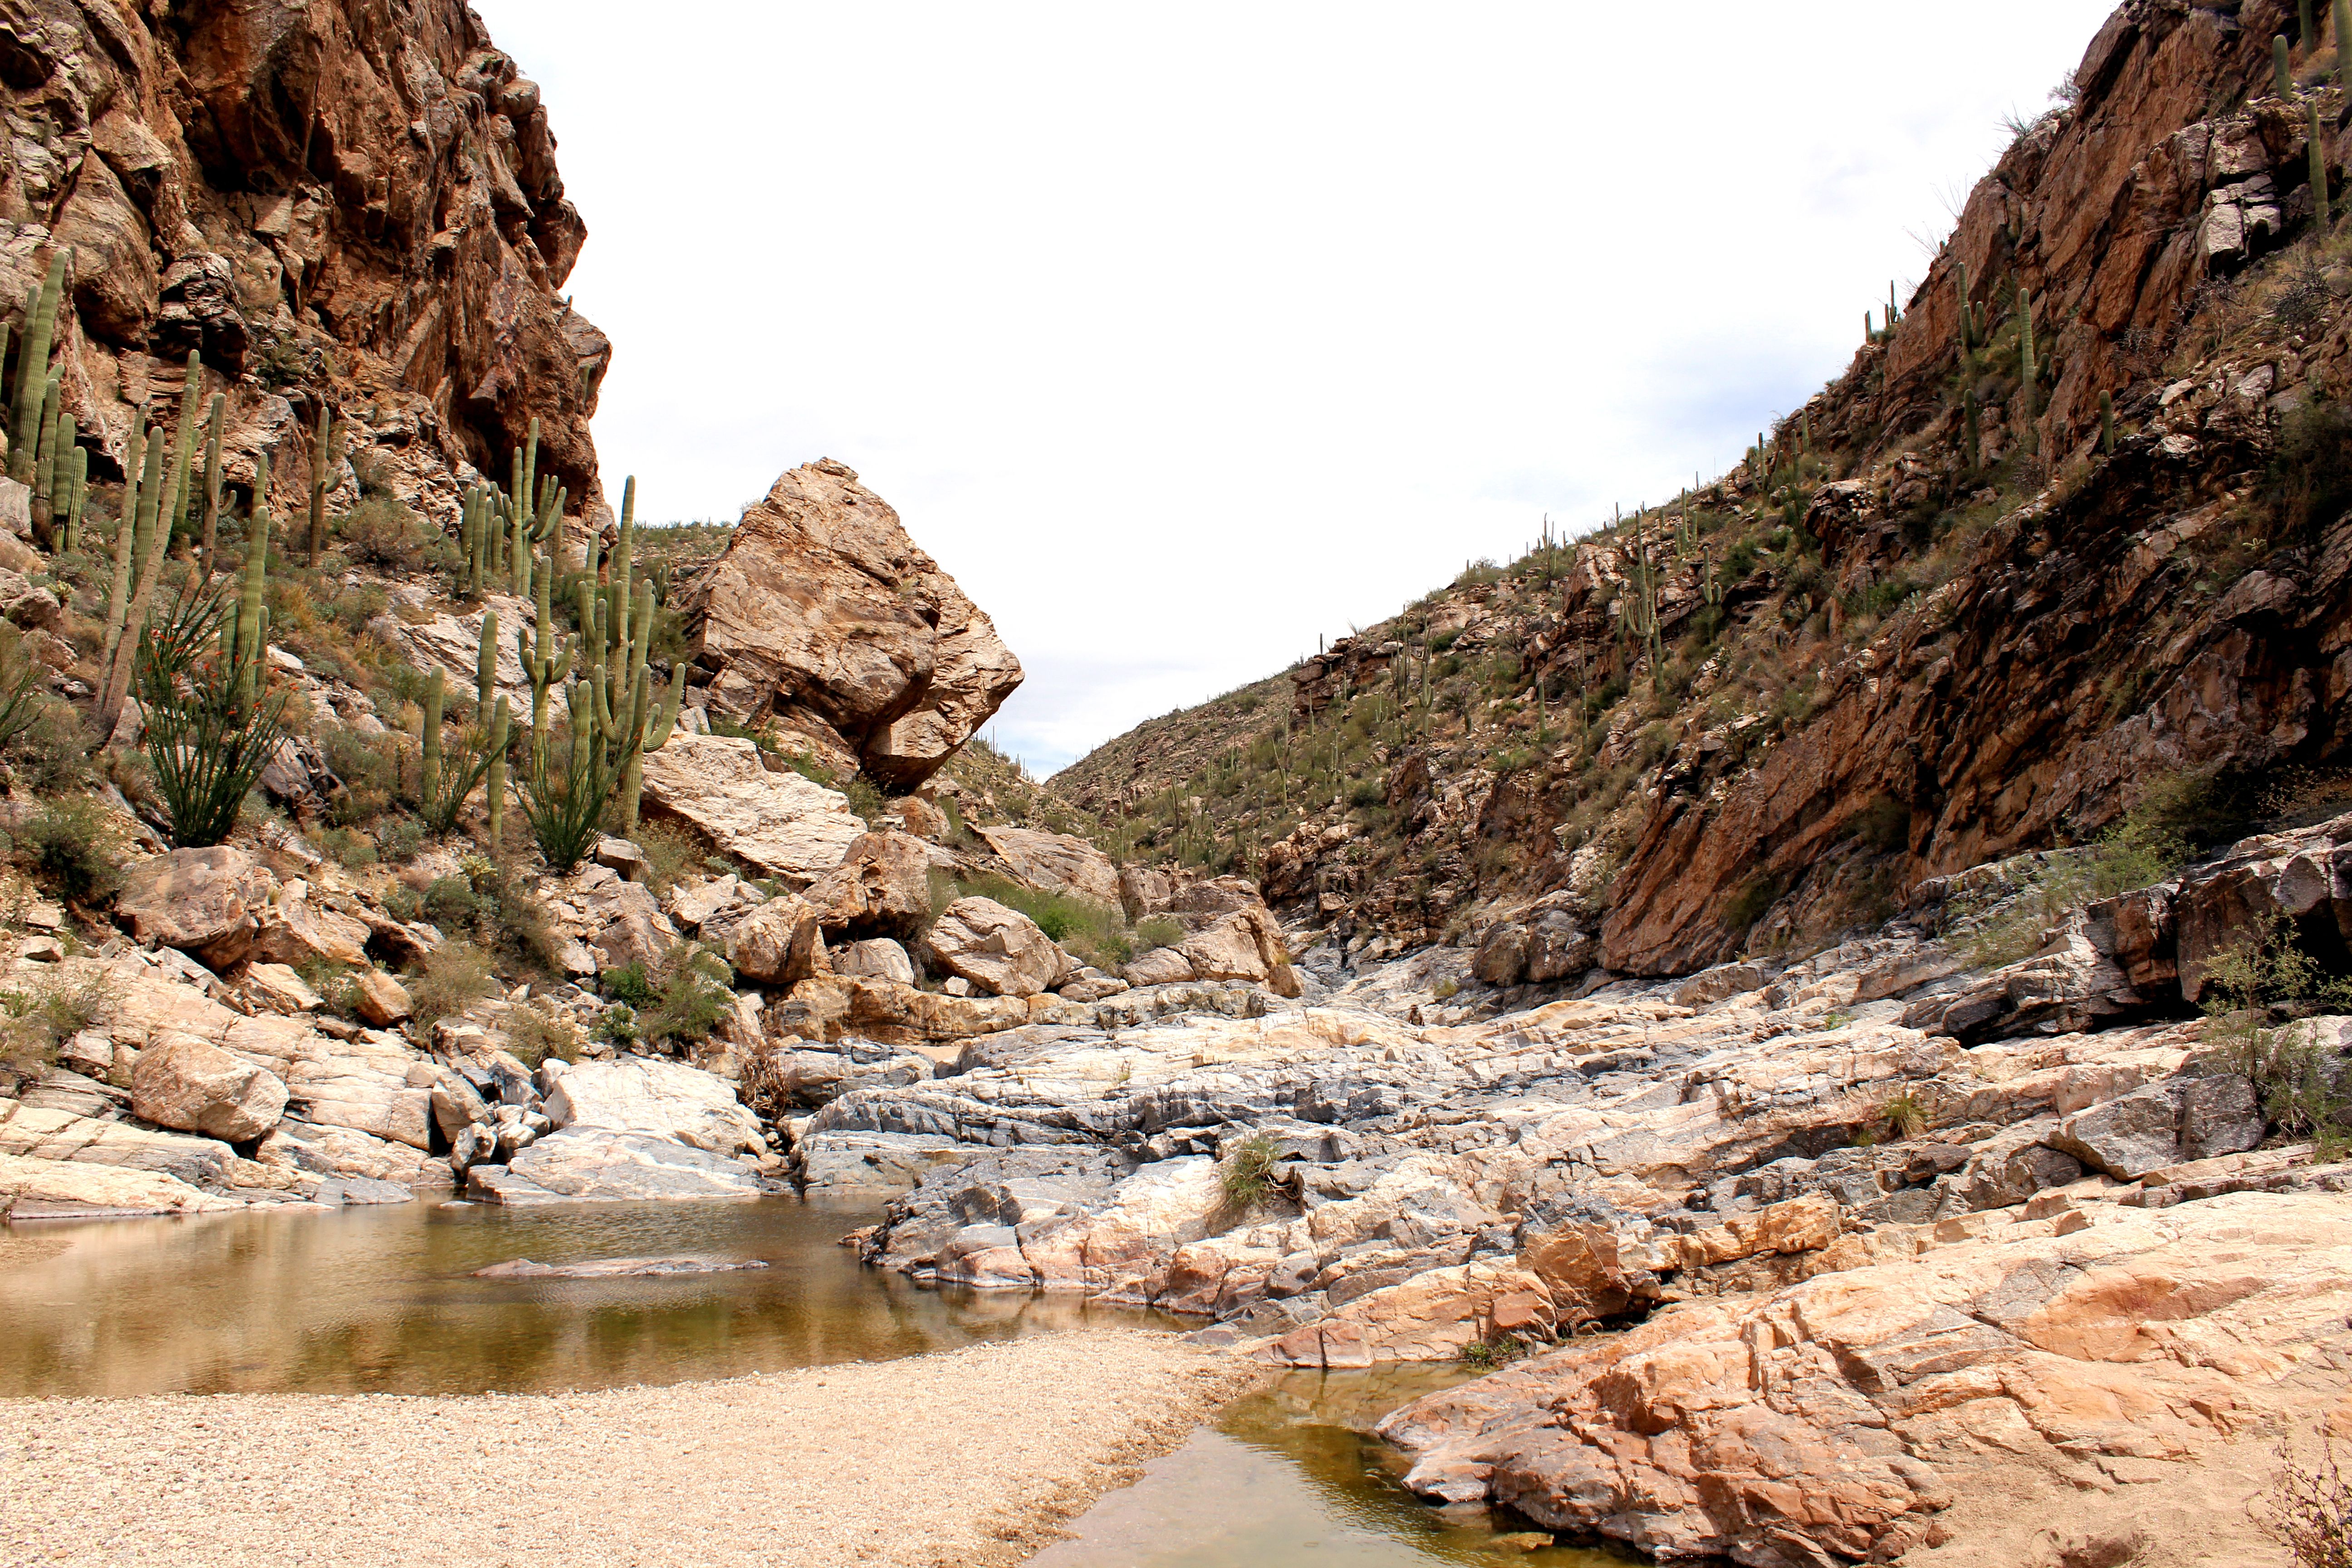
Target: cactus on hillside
<point x="210" y="539"/>
<point x="430" y="739"/>
<point x="322" y="454"/>
<point x="2282" y="78"/>
<point x="2108" y="423"/>
<point x="32" y="370"/>
<point x="45" y="452"/>
<point x="159" y="510"/>
<point x="2343" y="9"/>
<point x="73" y="464"/>
<point x="245" y="626"/>
<point x="2307" y="34"/>
<point x="2319" y="137"/>
<point x="1972" y="438"/>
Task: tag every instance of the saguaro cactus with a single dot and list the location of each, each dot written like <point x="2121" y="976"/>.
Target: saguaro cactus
<point x="212" y="487"/>
<point x="32" y="372"/>
<point x="2282" y="78"/>
<point x="430" y="776"/>
<point x="245" y="627"/>
<point x="2318" y="135"/>
<point x="2108" y="423"/>
<point x="2307" y="34"/>
<point x="2343" y="9"/>
<point x="546" y="667"/>
<point x="1972" y="438"/>
<point x="142" y="479"/>
<point x="321" y="455"/>
<point x="159" y="510"/>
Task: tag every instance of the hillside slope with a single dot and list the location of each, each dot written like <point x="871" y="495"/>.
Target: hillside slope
<point x="1941" y="615"/>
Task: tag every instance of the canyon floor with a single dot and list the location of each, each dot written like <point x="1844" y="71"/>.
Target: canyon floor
<point x="1000" y="1443"/>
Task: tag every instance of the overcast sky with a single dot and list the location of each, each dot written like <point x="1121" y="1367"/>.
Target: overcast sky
<point x="1183" y="335"/>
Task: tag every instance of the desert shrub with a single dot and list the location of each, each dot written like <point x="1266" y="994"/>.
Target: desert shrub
<point x="53" y="753"/>
<point x="74" y="846"/>
<point x="368" y="767"/>
<point x="1885" y="824"/>
<point x="399" y="839"/>
<point x="866" y="797"/>
<point x="2311" y="477"/>
<point x="1247" y="1175"/>
<point x="1095" y="933"/>
<point x="452" y="977"/>
<point x="536" y="1031"/>
<point x="671" y="855"/>
<point x="2306" y="1088"/>
<point x="35" y="1023"/>
<point x="618" y="1026"/>
<point x="679" y="997"/>
<point x="1905" y="1115"/>
<point x="2311" y="1512"/>
<point x="1446" y="990"/>
<point x="383" y="531"/>
<point x="347" y="848"/>
<point x="1157" y="930"/>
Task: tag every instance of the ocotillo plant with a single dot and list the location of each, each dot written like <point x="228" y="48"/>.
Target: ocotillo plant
<point x="32" y="372"/>
<point x="2108" y="423"/>
<point x="2026" y="369"/>
<point x="158" y="512"/>
<point x="2282" y="78"/>
<point x="322" y="456"/>
<point x="2319" y="211"/>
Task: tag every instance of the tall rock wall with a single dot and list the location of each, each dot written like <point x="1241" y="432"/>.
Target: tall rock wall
<point x="349" y="200"/>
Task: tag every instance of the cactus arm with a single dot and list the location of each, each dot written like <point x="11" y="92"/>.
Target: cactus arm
<point x="32" y="372"/>
<point x="78" y="476"/>
<point x="211" y="537"/>
<point x="321" y="454"/>
<point x="2026" y="368"/>
<point x="495" y="778"/>
<point x="485" y="664"/>
<point x="253" y="623"/>
<point x="118" y="599"/>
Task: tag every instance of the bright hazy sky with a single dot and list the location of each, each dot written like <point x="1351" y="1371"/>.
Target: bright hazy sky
<point x="1183" y="335"/>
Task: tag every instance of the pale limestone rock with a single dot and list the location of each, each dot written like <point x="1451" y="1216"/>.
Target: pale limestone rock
<point x="296" y="929"/>
<point x="1161" y="966"/>
<point x="882" y="886"/>
<point x="598" y="1164"/>
<point x="277" y="989"/>
<point x="876" y="958"/>
<point x="779" y="943"/>
<point x="779" y="823"/>
<point x="340" y="1152"/>
<point x="206" y="903"/>
<point x="998" y="950"/>
<point x="185" y="1083"/>
<point x="1243" y="945"/>
<point x="31" y="1188"/>
<point x="1057" y="863"/>
<point x="667" y="1100"/>
<point x="380" y="999"/>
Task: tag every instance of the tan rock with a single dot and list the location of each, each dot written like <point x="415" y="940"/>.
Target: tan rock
<point x="278" y="989"/>
<point x="59" y="1189"/>
<point x="824" y="613"/>
<point x="1243" y="945"/>
<point x="824" y="1006"/>
<point x="205" y="902"/>
<point x="1057" y="863"/>
<point x="779" y="943"/>
<point x="1161" y="966"/>
<point x="882" y="887"/>
<point x="380" y="999"/>
<point x="778" y="823"/>
<point x="296" y="929"/>
<point x="923" y="819"/>
<point x="1001" y="951"/>
<point x="667" y="1100"/>
<point x="878" y="958"/>
<point x="183" y="1082"/>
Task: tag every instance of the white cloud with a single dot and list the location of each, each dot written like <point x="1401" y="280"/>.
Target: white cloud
<point x="1183" y="334"/>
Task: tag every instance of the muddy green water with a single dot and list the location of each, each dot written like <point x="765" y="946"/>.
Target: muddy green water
<point x="384" y="1300"/>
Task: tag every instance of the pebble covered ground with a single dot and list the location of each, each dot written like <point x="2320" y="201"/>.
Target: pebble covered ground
<point x="967" y="1458"/>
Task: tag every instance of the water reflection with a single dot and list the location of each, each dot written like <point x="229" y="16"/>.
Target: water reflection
<point x="381" y="1299"/>
<point x="1292" y="1475"/>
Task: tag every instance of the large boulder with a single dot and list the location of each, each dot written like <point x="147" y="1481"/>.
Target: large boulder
<point x="823" y="613"/>
<point x="1001" y="951"/>
<point x="778" y="943"/>
<point x="196" y="1086"/>
<point x="1243" y="945"/>
<point x="593" y="1164"/>
<point x="876" y="958"/>
<point x="1057" y="863"/>
<point x="667" y="1100"/>
<point x="296" y="930"/>
<point x="205" y="902"/>
<point x="779" y="823"/>
<point x="882" y="887"/>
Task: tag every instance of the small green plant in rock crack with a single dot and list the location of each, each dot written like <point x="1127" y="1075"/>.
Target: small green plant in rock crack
<point x="1905" y="1115"/>
<point x="1248" y="1175"/>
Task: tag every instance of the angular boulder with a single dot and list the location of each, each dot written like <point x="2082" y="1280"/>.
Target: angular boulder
<point x="205" y="902"/>
<point x="1161" y="966"/>
<point x="380" y="999"/>
<point x="779" y="823"/>
<point x="1243" y="945"/>
<point x="882" y="887"/>
<point x="778" y="943"/>
<point x="823" y="613"/>
<point x="189" y="1084"/>
<point x="666" y="1099"/>
<point x="878" y="958"/>
<point x="296" y="930"/>
<point x="593" y="1164"/>
<point x="1001" y="951"/>
<point x="1057" y="863"/>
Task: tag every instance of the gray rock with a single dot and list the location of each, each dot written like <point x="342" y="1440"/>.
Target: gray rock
<point x="353" y="1192"/>
<point x="590" y="1164"/>
<point x="2220" y="1115"/>
<point x="2128" y="1136"/>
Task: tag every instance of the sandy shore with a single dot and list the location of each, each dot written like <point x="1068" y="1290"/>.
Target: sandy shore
<point x="966" y="1457"/>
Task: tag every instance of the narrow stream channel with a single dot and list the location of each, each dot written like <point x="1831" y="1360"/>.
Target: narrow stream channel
<point x="385" y="1300"/>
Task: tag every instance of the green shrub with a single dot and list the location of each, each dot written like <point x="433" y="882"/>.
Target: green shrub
<point x="1095" y="933"/>
<point x="1247" y="1176"/>
<point x="1749" y="901"/>
<point x="35" y="1023"/>
<point x="74" y="846"/>
<point x="1157" y="930"/>
<point x="1885" y="824"/>
<point x="630" y="985"/>
<point x="680" y="996"/>
<point x="618" y="1026"/>
<point x="865" y="798"/>
<point x="382" y="531"/>
<point x="452" y="977"/>
<point x="53" y="753"/>
<point x="536" y="1031"/>
<point x="671" y="855"/>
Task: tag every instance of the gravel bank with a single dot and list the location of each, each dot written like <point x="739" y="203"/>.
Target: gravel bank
<point x="966" y="1457"/>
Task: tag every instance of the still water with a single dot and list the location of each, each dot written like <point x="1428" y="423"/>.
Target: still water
<point x="385" y="1300"/>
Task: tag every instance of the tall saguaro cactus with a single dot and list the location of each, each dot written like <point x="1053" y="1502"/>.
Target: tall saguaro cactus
<point x="2343" y="9"/>
<point x="321" y="455"/>
<point x="2027" y="370"/>
<point x="212" y="487"/>
<point x="32" y="372"/>
<point x="2318" y="135"/>
<point x="2282" y="78"/>
<point x="159" y="512"/>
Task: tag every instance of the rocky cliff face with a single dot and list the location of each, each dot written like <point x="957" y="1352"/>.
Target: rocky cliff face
<point x="1936" y="621"/>
<point x="354" y="202"/>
